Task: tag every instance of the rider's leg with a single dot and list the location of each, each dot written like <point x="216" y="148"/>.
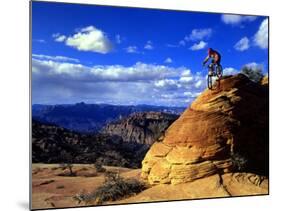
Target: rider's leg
<point x="218" y="66"/>
<point x="211" y="69"/>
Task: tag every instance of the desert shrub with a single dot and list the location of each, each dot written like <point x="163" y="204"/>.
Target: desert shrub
<point x="254" y="74"/>
<point x="68" y="166"/>
<point x="99" y="168"/>
<point x="114" y="188"/>
<point x="239" y="162"/>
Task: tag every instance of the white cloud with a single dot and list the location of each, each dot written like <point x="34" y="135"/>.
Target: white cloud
<point x="198" y="46"/>
<point x="186" y="73"/>
<point x="237" y="19"/>
<point x="192" y="94"/>
<point x="230" y="71"/>
<point x="199" y="34"/>
<point x="55" y="58"/>
<point x="87" y="39"/>
<point x="198" y="84"/>
<point x="261" y="37"/>
<point x="168" y="84"/>
<point x="168" y="60"/>
<point x="195" y="35"/>
<point x="61" y="38"/>
<point x="148" y="45"/>
<point x="186" y="79"/>
<point x="138" y="72"/>
<point x="242" y="44"/>
<point x="132" y="49"/>
<point x="54" y="81"/>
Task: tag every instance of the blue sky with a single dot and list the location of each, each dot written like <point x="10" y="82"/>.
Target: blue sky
<point x="120" y="55"/>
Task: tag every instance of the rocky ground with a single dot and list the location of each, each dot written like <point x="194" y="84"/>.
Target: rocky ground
<point x="49" y="190"/>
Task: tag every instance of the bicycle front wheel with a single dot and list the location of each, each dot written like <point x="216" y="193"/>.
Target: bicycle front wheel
<point x="209" y="81"/>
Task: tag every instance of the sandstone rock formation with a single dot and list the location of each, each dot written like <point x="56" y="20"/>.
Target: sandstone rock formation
<point x="232" y="120"/>
<point x="227" y="185"/>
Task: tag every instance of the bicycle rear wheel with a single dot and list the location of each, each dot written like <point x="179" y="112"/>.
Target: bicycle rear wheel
<point x="219" y="72"/>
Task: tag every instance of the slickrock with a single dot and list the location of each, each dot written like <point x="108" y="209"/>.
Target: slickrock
<point x="232" y="119"/>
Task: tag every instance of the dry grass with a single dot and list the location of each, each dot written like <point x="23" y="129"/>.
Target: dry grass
<point x="114" y="188"/>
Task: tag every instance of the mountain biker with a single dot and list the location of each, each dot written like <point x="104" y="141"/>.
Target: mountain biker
<point x="216" y="57"/>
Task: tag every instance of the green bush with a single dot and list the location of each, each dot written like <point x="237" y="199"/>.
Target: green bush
<point x="99" y="168"/>
<point x="239" y="162"/>
<point x="254" y="74"/>
<point x="68" y="166"/>
<point x="114" y="188"/>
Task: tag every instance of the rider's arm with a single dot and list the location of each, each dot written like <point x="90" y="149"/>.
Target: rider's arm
<point x="206" y="59"/>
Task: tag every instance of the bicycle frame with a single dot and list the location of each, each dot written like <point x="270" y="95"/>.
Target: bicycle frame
<point x="213" y="70"/>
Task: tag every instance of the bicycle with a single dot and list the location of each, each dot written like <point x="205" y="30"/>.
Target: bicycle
<point x="214" y="71"/>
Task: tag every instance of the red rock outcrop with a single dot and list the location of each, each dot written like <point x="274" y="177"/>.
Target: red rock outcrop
<point x="232" y="120"/>
<point x="141" y="127"/>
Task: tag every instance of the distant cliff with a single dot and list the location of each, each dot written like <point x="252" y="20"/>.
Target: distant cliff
<point x="89" y="118"/>
<point x="142" y="128"/>
<point x="54" y="144"/>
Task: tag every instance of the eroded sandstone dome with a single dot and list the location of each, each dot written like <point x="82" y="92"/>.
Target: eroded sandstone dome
<point x="231" y="120"/>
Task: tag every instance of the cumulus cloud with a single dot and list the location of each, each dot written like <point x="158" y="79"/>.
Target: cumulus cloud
<point x="148" y="45"/>
<point x="243" y="44"/>
<point x="198" y="84"/>
<point x="168" y="60"/>
<point x="63" y="82"/>
<point x="195" y="35"/>
<point x="167" y="84"/>
<point x="237" y="19"/>
<point x="192" y="94"/>
<point x="198" y="46"/>
<point x="54" y="58"/>
<point x="261" y="37"/>
<point x="87" y="39"/>
<point x="199" y="34"/>
<point x="118" y="73"/>
<point x="59" y="37"/>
